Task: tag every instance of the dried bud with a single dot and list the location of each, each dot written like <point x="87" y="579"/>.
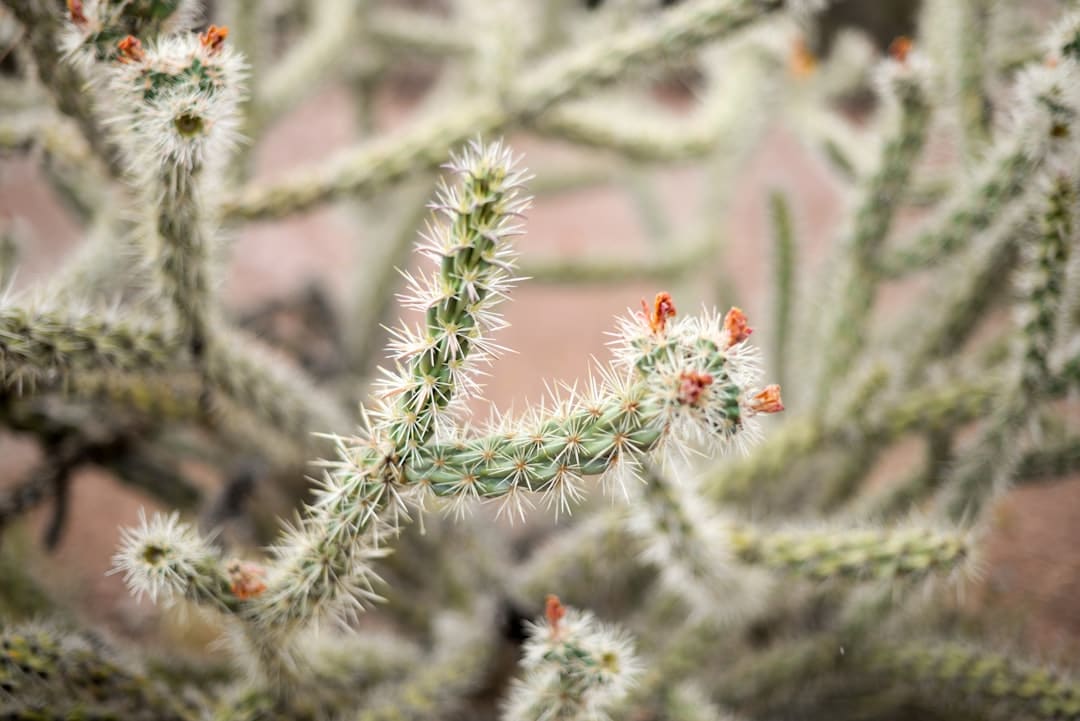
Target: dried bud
<point x="214" y="38"/>
<point x="802" y="62"/>
<point x="131" y="50"/>
<point x="76" y="11"/>
<point x="691" y="385"/>
<point x="736" y="327"/>
<point x="767" y="401"/>
<point x="554" y="612"/>
<point x="663" y="308"/>
<point x="900" y="49"/>
<point x="246" y="579"/>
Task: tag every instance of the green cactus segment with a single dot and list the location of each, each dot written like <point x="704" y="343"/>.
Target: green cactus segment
<point x="183" y="255"/>
<point x="1005" y="179"/>
<point x="586" y="441"/>
<point x="973" y="104"/>
<point x="44" y="670"/>
<point x="996" y="459"/>
<point x="940" y="407"/>
<point x="873" y="554"/>
<point x="373" y="166"/>
<point x="474" y="261"/>
<point x="880" y="199"/>
<point x="1071" y="49"/>
<point x="289" y="403"/>
<point x="784" y="253"/>
<point x="989" y="681"/>
<point x="885" y="188"/>
<point x="197" y="76"/>
<point x="1046" y="285"/>
<point x="46" y="345"/>
<point x="678" y="539"/>
<point x="961" y="305"/>
<point x="1058" y="459"/>
<point x="167" y="558"/>
<point x="584" y="444"/>
<point x="438" y="686"/>
<point x="682" y="29"/>
<point x="202" y="579"/>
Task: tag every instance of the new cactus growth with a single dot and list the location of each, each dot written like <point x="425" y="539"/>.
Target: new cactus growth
<point x="575" y="668"/>
<point x="673" y="382"/>
<point x="757" y="555"/>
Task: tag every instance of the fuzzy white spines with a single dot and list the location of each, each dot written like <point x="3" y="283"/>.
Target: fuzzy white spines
<point x="1048" y="102"/>
<point x="687" y="542"/>
<point x="321" y="571"/>
<point x="1042" y="283"/>
<point x="167" y="559"/>
<point x="702" y="370"/>
<point x="436" y="362"/>
<point x="1063" y="39"/>
<point x="575" y="667"/>
<point x="907" y="72"/>
<point x="1048" y="99"/>
<point x="672" y="385"/>
<point x="175" y="102"/>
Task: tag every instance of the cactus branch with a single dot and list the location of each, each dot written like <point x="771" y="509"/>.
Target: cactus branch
<point x="876" y="554"/>
<point x="370" y="167"/>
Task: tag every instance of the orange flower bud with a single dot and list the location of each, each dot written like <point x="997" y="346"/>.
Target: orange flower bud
<point x="554" y="611"/>
<point x="767" y="401"/>
<point x="246" y="579"/>
<point x="691" y="385"/>
<point x="77" y="12"/>
<point x="802" y="62"/>
<point x="900" y="49"/>
<point x="214" y="38"/>
<point x="663" y="308"/>
<point x="131" y="50"/>
<point x="736" y="327"/>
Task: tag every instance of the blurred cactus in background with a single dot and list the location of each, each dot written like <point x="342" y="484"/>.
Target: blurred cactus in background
<point x="746" y="563"/>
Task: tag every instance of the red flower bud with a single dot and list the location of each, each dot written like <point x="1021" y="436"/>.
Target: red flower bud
<point x="692" y="385"/>
<point x="767" y="401"/>
<point x="554" y="611"/>
<point x="246" y="579"/>
<point x="131" y="50"/>
<point x="900" y="49"/>
<point x="736" y="327"/>
<point x="214" y="38"/>
<point x="663" y="308"/>
<point x="77" y="12"/>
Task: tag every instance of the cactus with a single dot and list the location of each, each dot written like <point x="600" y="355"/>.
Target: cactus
<point x="751" y="563"/>
<point x="575" y="667"/>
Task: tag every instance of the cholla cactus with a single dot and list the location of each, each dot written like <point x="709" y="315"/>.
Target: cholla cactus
<point x="474" y="262"/>
<point x="177" y="101"/>
<point x="672" y="383"/>
<point x="765" y="567"/>
<point x="575" y="668"/>
<point x="167" y="558"/>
